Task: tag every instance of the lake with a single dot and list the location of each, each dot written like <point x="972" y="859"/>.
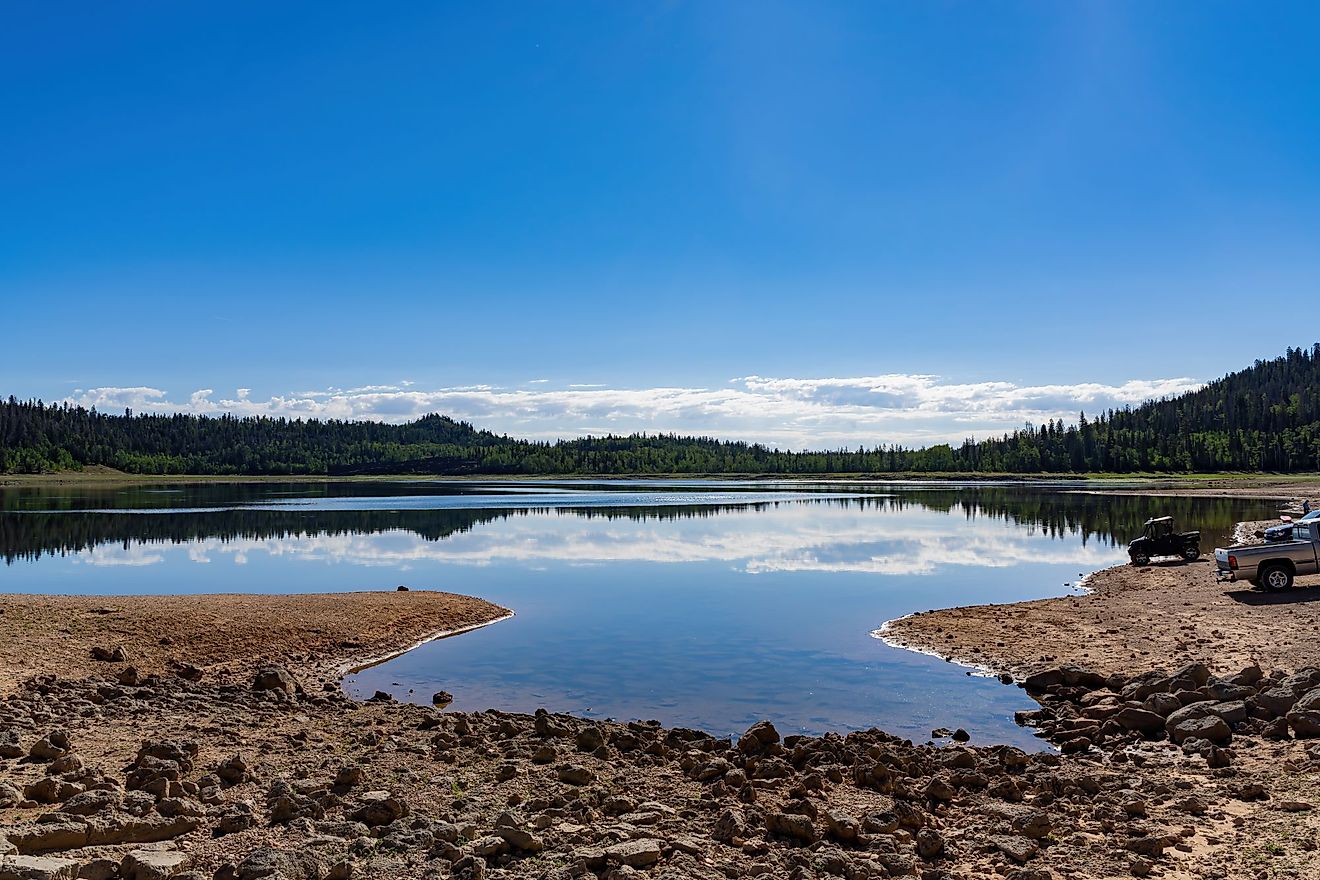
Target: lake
<point x="707" y="604"/>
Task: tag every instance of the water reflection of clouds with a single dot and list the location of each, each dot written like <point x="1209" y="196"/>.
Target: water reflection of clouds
<point x="803" y="539"/>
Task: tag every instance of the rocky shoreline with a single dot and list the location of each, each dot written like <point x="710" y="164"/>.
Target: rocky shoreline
<point x="213" y="773"/>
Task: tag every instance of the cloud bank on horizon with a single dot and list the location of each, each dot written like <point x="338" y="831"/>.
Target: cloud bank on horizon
<point x="913" y="410"/>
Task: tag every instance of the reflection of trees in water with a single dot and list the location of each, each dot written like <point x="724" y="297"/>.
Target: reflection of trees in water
<point x="1109" y="519"/>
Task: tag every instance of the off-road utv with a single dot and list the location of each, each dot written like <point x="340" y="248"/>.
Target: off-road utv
<point x="1159" y="539"/>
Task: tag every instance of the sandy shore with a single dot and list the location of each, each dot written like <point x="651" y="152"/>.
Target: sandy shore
<point x="1166" y="614"/>
<point x="223" y="635"/>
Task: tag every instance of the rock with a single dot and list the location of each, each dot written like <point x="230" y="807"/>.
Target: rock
<point x="575" y="774"/>
<point x="1278" y="700"/>
<point x="9" y="796"/>
<point x="1247" y="677"/>
<point x="489" y="846"/>
<point x="521" y="840"/>
<point x="635" y="853"/>
<point x="1140" y="720"/>
<point x="236" y="817"/>
<point x="349" y="776"/>
<point x="757" y="738"/>
<point x="1162" y="704"/>
<point x="1309" y="700"/>
<point x="266" y="863"/>
<point x="1304" y="722"/>
<point x="100" y="869"/>
<point x="1233" y="711"/>
<point x="9" y="747"/>
<point x="273" y="678"/>
<point x="51" y="746"/>
<point x="37" y="868"/>
<point x="1075" y="746"/>
<point x="232" y="770"/>
<point x="379" y="808"/>
<point x="791" y="825"/>
<point x="1027" y="821"/>
<point x="129" y="676"/>
<point x="88" y="803"/>
<point x="442" y="698"/>
<point x="117" y="654"/>
<point x="1019" y="849"/>
<point x="842" y="827"/>
<point x="1208" y="727"/>
<point x="930" y="845"/>
<point x="731" y="824"/>
<point x="47" y="836"/>
<point x="188" y="672"/>
<point x="151" y="865"/>
<point x="69" y="763"/>
<point x="589" y="739"/>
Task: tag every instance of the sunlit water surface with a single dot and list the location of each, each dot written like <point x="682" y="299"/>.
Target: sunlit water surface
<point x="703" y="604"/>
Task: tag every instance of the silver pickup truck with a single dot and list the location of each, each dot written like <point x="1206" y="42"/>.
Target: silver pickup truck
<point x="1274" y="565"/>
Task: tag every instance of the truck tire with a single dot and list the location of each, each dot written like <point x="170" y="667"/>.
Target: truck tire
<point x="1140" y="559"/>
<point x="1191" y="552"/>
<point x="1276" y="577"/>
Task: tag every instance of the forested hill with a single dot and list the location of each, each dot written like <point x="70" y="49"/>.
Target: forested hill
<point x="1266" y="417"/>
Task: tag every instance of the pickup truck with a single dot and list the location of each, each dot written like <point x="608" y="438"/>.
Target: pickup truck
<point x="1274" y="565"/>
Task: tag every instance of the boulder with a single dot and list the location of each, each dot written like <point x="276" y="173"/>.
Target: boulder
<point x="1278" y="699"/>
<point x="1141" y="720"/>
<point x="1309" y="700"/>
<point x="1211" y="728"/>
<point x="930" y="845"/>
<point x="37" y="868"/>
<point x="1305" y="723"/>
<point x="51" y="746"/>
<point x="9" y="747"/>
<point x="266" y="863"/>
<point x="1162" y="704"/>
<point x="791" y="825"/>
<point x="379" y="808"/>
<point x="274" y="678"/>
<point x="90" y="802"/>
<point x="731" y="824"/>
<point x="1233" y="711"/>
<point x="151" y="865"/>
<point x="757" y="738"/>
<point x="575" y="774"/>
<point x="635" y="853"/>
<point x="1019" y="849"/>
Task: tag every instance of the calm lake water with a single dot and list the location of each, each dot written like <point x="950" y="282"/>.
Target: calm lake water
<point x="704" y="604"/>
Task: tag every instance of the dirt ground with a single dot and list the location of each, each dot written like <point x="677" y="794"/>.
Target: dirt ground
<point x="222" y="634"/>
<point x="1165" y="614"/>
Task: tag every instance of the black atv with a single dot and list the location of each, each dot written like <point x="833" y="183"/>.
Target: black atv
<point x="1159" y="539"/>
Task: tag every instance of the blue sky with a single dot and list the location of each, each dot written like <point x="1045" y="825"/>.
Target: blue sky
<point x="903" y="221"/>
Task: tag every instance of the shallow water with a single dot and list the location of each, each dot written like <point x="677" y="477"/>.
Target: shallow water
<point x="704" y="604"/>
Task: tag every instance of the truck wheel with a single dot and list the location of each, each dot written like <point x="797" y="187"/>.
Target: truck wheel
<point x="1140" y="559"/>
<point x="1192" y="552"/>
<point x="1276" y="577"/>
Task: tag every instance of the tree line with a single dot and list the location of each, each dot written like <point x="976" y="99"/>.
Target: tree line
<point x="1263" y="418"/>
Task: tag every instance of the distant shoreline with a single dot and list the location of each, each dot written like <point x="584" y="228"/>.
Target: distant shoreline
<point x="1246" y="485"/>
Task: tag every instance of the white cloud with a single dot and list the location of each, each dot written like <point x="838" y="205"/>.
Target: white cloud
<point x="783" y="412"/>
